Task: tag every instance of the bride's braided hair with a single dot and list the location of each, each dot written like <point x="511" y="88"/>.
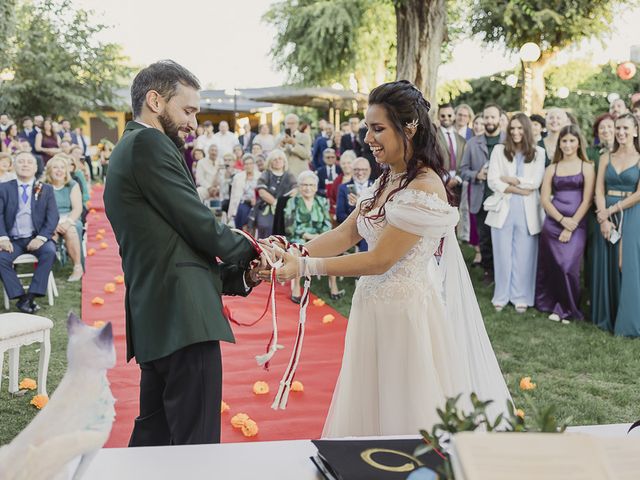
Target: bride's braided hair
<point x="405" y="104"/>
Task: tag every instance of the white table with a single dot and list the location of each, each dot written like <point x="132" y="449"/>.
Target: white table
<point x="288" y="460"/>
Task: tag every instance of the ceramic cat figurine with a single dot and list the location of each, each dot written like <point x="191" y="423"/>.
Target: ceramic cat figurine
<point x="78" y="418"/>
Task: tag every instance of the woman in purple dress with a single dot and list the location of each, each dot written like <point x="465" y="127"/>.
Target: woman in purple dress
<point x="567" y="192"/>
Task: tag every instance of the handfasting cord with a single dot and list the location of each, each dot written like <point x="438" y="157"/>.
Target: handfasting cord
<point x="277" y="241"/>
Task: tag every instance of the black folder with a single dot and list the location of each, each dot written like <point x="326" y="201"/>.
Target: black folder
<point x="371" y="459"/>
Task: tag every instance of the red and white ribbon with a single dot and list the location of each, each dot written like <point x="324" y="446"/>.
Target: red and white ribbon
<point x="280" y="242"/>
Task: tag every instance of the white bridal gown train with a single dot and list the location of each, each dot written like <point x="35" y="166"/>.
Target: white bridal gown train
<point x="415" y="334"/>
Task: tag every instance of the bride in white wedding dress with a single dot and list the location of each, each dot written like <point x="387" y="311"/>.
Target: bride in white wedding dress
<point x="415" y="334"/>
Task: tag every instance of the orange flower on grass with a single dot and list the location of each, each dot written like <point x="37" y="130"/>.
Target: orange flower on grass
<point x="97" y="301"/>
<point x="28" y="384"/>
<point x="318" y="302"/>
<point x="109" y="287"/>
<point x="98" y="324"/>
<point x="261" y="388"/>
<point x="527" y="384"/>
<point x="91" y="252"/>
<point x="104" y="246"/>
<point x="238" y="419"/>
<point x="39" y="401"/>
<point x="249" y="428"/>
<point x="328" y="318"/>
<point x="119" y="279"/>
<point x="297" y="386"/>
<point x="224" y="407"/>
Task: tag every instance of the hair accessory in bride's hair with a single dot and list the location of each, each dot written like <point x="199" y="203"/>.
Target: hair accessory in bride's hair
<point x="412" y="125"/>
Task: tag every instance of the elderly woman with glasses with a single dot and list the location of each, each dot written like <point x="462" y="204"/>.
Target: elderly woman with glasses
<point x="307" y="217"/>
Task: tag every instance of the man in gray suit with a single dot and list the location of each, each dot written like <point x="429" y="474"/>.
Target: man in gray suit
<point x="475" y="163"/>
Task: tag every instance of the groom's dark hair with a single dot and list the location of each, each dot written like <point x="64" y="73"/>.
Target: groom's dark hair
<point x="163" y="77"/>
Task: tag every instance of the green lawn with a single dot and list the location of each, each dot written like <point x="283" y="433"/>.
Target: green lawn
<point x="588" y="374"/>
<point x="15" y="411"/>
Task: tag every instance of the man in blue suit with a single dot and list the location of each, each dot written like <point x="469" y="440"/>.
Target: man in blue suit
<point x="29" y="220"/>
<point x="349" y="192"/>
<point x="322" y="142"/>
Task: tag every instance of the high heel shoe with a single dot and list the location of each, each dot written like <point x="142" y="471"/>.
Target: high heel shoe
<point x="337" y="296"/>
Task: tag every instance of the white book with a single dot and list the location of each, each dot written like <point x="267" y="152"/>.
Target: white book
<point x="549" y="456"/>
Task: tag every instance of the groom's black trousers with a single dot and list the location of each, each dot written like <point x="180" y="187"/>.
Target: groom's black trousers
<point x="180" y="397"/>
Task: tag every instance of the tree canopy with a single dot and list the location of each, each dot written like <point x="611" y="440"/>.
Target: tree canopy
<point x="60" y="66"/>
<point x="322" y="42"/>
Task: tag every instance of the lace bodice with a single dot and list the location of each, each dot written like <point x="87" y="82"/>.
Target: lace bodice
<point x="417" y="212"/>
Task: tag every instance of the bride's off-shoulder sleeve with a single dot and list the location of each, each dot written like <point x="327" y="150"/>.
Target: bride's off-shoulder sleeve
<point x="421" y="213"/>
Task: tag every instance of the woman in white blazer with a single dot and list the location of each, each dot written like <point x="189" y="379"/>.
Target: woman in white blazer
<point x="243" y="192"/>
<point x="515" y="174"/>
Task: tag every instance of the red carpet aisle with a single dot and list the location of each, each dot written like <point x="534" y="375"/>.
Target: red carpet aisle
<point x="319" y="364"/>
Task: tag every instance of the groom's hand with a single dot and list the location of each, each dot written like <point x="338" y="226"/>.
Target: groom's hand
<point x="252" y="276"/>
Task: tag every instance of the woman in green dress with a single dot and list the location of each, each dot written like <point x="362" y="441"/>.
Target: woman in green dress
<point x="307" y="217"/>
<point x="615" y="290"/>
<point x="603" y="138"/>
<point x="69" y="202"/>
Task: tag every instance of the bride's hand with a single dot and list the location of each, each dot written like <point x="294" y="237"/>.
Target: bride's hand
<point x="290" y="269"/>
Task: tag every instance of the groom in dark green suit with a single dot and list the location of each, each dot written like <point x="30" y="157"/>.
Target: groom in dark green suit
<point x="177" y="260"/>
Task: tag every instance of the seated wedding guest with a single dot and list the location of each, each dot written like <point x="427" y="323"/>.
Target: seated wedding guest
<point x="69" y="202"/>
<point x="567" y="190"/>
<point x="349" y="192"/>
<point x="515" y="173"/>
<point x="261" y="162"/>
<point x="243" y="192"/>
<point x="256" y="149"/>
<point x="75" y="170"/>
<point x="25" y="146"/>
<point x="478" y="125"/>
<point x="603" y="138"/>
<point x="30" y="216"/>
<point x="464" y="116"/>
<point x="47" y="141"/>
<point x="81" y="165"/>
<point x="307" y="217"/>
<point x="197" y="154"/>
<point x="65" y="146"/>
<point x="346" y="165"/>
<point x="265" y="139"/>
<point x="207" y="174"/>
<point x="329" y="173"/>
<point x="6" y="168"/>
<point x="238" y="152"/>
<point x="11" y="143"/>
<point x="225" y="177"/>
<point x="28" y="132"/>
<point x="275" y="182"/>
<point x="615" y="283"/>
<point x="189" y="144"/>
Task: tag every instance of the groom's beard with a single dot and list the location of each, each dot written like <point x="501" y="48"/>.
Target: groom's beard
<point x="171" y="130"/>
